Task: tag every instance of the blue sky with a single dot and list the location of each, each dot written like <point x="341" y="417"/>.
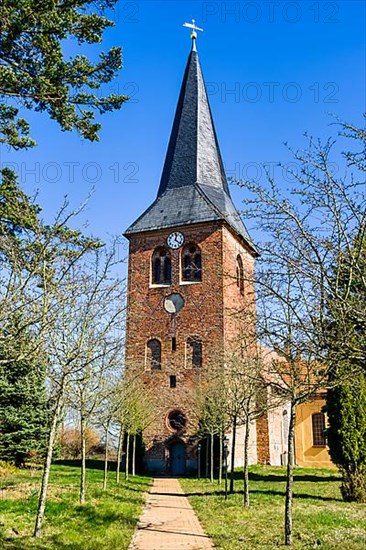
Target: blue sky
<point x="273" y="69"/>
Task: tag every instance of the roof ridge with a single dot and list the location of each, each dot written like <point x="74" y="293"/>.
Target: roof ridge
<point x="225" y="217"/>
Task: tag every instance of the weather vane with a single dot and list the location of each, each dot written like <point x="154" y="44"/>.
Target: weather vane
<point x="194" y="29"/>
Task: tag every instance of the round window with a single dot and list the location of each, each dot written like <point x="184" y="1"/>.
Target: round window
<point x="176" y="421"/>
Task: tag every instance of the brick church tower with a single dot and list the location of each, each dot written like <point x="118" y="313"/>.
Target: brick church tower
<point x="188" y="253"/>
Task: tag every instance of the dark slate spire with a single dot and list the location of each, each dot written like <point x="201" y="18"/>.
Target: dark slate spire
<point x="193" y="153"/>
<point x="193" y="186"/>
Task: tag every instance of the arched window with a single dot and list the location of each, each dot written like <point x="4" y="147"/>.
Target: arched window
<point x="194" y="352"/>
<point x="154" y="354"/>
<point x="191" y="263"/>
<point x="240" y="274"/>
<point x="318" y="425"/>
<point x="161" y="266"/>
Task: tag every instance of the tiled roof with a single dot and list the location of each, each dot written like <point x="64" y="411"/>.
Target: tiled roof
<point x="193" y="186"/>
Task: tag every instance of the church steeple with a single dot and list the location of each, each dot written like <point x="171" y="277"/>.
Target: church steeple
<point x="193" y="154"/>
<point x="191" y="294"/>
<point x="193" y="186"/>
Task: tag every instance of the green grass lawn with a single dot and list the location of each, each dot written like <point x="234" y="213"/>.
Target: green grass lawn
<point x="321" y="519"/>
<point x="107" y="520"/>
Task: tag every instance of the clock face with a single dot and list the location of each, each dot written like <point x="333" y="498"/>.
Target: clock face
<point x="173" y="303"/>
<point x="175" y="240"/>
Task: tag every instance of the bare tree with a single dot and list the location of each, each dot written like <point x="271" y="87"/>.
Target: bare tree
<point x="137" y="411"/>
<point x="102" y="356"/>
<point x="79" y="318"/>
<point x="254" y="392"/>
<point x="211" y="410"/>
<point x="33" y="264"/>
<point x="105" y="420"/>
<point x="308" y="230"/>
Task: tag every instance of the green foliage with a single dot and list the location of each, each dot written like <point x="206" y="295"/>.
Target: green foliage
<point x="24" y="411"/>
<point x="17" y="212"/>
<point x="346" y="408"/>
<point x="346" y="402"/>
<point x="35" y="72"/>
<point x="14" y="131"/>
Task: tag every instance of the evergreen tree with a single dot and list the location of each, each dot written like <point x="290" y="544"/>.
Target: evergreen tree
<point x="346" y="407"/>
<point x="36" y="73"/>
<point x="346" y="403"/>
<point x="23" y="410"/>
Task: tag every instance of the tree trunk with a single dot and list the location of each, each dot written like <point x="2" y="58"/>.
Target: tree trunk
<point x="246" y="460"/>
<point x="232" y="472"/>
<point x="127" y="454"/>
<point x="220" y="457"/>
<point x="207" y="457"/>
<point x="106" y="457"/>
<point x="47" y="464"/>
<point x="290" y="476"/>
<point x="83" y="461"/>
<point x="134" y="455"/>
<point x="211" y="457"/>
<point x="119" y="453"/>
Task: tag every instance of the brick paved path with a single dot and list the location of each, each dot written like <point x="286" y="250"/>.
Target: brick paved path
<point x="168" y="521"/>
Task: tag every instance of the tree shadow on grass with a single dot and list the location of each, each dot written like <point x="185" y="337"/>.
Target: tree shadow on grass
<point x="305" y="496"/>
<point x="91" y="464"/>
<point x="270" y="492"/>
<point x="88" y="518"/>
<point x="311" y="478"/>
<point x="91" y="514"/>
<point x="281" y="477"/>
<point x="131" y="499"/>
<point x="46" y="543"/>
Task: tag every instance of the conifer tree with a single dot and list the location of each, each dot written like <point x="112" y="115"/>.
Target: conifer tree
<point x="346" y="407"/>
<point x="24" y="412"/>
<point x="36" y="74"/>
<point x="346" y="404"/>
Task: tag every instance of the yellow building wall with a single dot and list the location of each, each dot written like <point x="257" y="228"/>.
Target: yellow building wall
<point x="306" y="454"/>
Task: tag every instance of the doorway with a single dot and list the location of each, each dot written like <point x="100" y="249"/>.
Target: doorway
<point x="178" y="459"/>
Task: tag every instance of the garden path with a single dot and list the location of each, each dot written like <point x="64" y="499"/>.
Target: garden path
<point x="168" y="521"/>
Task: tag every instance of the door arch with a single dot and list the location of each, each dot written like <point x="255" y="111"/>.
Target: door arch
<point x="177" y="458"/>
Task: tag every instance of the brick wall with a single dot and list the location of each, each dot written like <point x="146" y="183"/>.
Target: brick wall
<point x="211" y="312"/>
<point x="201" y="316"/>
<point x="263" y="455"/>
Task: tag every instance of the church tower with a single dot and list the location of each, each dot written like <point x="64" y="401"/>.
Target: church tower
<point x="190" y="263"/>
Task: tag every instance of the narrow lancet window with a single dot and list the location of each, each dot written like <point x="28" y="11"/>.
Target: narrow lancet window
<point x="194" y="352"/>
<point x="154" y="354"/>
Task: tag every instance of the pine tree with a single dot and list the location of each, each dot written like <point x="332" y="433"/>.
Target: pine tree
<point x="36" y="72"/>
<point x="23" y="410"/>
